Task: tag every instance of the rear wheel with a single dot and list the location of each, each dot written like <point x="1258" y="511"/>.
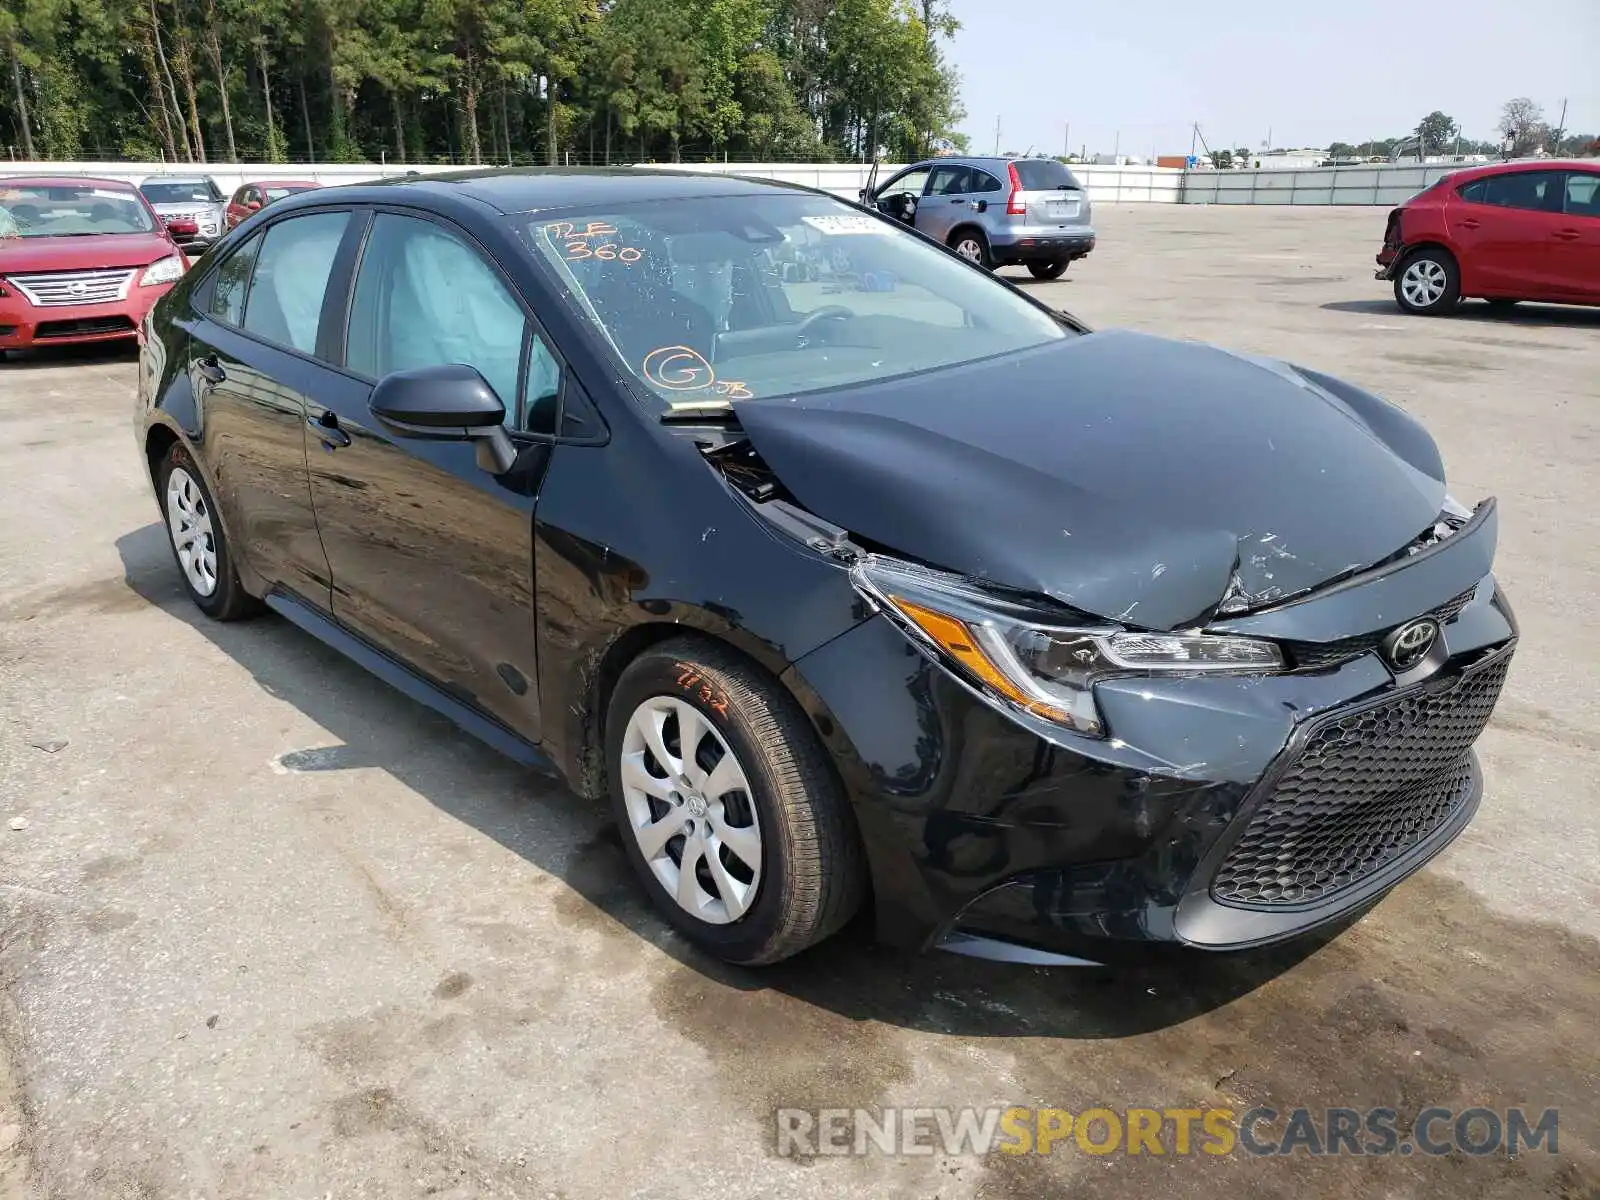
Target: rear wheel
<point x="730" y="813"/>
<point x="195" y="534"/>
<point x="1429" y="284"/>
<point x="971" y="245"/>
<point x="1048" y="270"/>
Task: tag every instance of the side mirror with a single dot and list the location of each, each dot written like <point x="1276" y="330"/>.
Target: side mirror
<point x="446" y="403"/>
<point x="253" y="205"/>
<point x="862" y="194"/>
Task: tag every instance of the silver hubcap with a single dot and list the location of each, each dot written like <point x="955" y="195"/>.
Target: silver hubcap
<point x="969" y="249"/>
<point x="690" y="810"/>
<point x="1423" y="283"/>
<point x="189" y="523"/>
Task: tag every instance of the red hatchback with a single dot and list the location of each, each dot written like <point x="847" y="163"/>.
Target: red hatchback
<point x="1507" y="232"/>
<point x="250" y="198"/>
<point x="81" y="260"/>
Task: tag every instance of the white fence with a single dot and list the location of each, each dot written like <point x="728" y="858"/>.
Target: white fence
<point x="1378" y="183"/>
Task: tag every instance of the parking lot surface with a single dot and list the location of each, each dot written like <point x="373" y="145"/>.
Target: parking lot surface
<point x="270" y="929"/>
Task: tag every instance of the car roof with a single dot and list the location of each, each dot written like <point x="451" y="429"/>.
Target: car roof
<point x="63" y="181"/>
<point x="525" y="189"/>
<point x="1466" y="174"/>
<point x="310" y="183"/>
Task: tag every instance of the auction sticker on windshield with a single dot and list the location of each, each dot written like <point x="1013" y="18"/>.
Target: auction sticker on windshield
<point x="846" y="224"/>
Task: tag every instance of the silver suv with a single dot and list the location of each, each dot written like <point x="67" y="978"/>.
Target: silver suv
<point x="994" y="211"/>
<point x="188" y="198"/>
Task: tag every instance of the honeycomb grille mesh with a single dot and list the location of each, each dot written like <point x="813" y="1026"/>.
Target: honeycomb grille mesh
<point x="1362" y="790"/>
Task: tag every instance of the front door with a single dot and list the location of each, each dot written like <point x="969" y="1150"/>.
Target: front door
<point x="901" y="196"/>
<point x="432" y="557"/>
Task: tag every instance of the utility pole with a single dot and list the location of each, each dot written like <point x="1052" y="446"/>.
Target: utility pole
<point x="1066" y="141"/>
<point x="1561" y="127"/>
<point x="1194" y="132"/>
<point x="1116" y="149"/>
<point x="997" y="136"/>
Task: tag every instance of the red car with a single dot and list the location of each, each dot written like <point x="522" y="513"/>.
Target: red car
<point x="81" y="260"/>
<point x="1507" y="232"/>
<point x="251" y="198"/>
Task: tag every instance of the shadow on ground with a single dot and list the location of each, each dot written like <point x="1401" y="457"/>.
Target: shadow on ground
<point x="1553" y="316"/>
<point x="82" y="354"/>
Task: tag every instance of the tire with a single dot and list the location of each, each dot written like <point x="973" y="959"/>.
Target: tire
<point x="779" y="803"/>
<point x="1049" y="270"/>
<point x="207" y="572"/>
<point x="971" y="245"/>
<point x="1428" y="283"/>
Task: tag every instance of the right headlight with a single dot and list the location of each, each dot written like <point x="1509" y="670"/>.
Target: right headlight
<point x="1018" y="659"/>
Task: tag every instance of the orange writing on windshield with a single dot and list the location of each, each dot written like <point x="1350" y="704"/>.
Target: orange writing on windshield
<point x="579" y="242"/>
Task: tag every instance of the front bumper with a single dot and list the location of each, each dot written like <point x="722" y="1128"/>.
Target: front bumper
<point x="23" y="325"/>
<point x="979" y="828"/>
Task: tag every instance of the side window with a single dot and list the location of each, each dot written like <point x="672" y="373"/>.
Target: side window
<point x="1539" y="191"/>
<point x="911" y="182"/>
<point x="425" y="297"/>
<point x="982" y="181"/>
<point x="1583" y="194"/>
<point x="284" y="304"/>
<point x="1473" y="192"/>
<point x="232" y="282"/>
<point x="949" y="181"/>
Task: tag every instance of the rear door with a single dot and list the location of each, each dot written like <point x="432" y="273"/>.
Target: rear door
<point x="432" y="557"/>
<point x="946" y="202"/>
<point x="1576" y="248"/>
<point x="252" y="363"/>
<point x="1050" y="192"/>
<point x="1504" y="228"/>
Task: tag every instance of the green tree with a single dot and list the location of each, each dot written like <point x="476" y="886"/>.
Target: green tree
<point x="1436" y="132"/>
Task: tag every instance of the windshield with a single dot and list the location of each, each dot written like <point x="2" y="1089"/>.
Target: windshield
<point x="63" y="210"/>
<point x="192" y="192"/>
<point x="746" y="297"/>
<point x="1043" y="175"/>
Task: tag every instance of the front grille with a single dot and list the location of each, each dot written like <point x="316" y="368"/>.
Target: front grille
<point x="1324" y="656"/>
<point x="58" y="289"/>
<point x="1360" y="791"/>
<point x="46" y="330"/>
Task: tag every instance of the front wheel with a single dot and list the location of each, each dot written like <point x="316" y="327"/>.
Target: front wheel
<point x="1048" y="270"/>
<point x="972" y="246"/>
<point x="1429" y="284"/>
<point x="729" y="810"/>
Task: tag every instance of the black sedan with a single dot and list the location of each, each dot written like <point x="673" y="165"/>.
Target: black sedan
<point x="854" y="577"/>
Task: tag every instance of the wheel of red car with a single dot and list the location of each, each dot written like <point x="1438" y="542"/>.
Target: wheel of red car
<point x="1428" y="282"/>
<point x="730" y="813"/>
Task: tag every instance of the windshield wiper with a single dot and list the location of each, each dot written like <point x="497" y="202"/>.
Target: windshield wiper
<point x="700" y="412"/>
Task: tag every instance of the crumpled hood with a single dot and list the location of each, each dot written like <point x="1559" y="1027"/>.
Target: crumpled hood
<point x="1133" y="477"/>
<point x="27" y="254"/>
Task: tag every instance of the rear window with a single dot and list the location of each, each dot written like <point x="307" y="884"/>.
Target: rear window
<point x="1043" y="175"/>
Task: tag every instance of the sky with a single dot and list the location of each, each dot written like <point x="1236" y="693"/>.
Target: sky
<point x="1311" y="73"/>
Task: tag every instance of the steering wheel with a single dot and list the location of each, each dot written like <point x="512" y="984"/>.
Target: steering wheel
<point x="814" y="318"/>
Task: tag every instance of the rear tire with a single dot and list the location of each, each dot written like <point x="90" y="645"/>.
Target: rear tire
<point x="1428" y="283"/>
<point x="971" y="245"/>
<point x="752" y="809"/>
<point x="1048" y="270"/>
<point x="194" y="531"/>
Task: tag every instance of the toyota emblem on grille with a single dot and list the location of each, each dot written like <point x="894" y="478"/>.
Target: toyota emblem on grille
<point x="1409" y="645"/>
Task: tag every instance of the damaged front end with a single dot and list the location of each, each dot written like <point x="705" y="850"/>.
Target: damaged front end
<point x="1039" y="779"/>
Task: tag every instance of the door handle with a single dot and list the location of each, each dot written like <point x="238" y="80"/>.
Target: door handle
<point x="1470" y="223"/>
<point x="326" y="427"/>
<point x="1568" y="235"/>
<point x="210" y="369"/>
